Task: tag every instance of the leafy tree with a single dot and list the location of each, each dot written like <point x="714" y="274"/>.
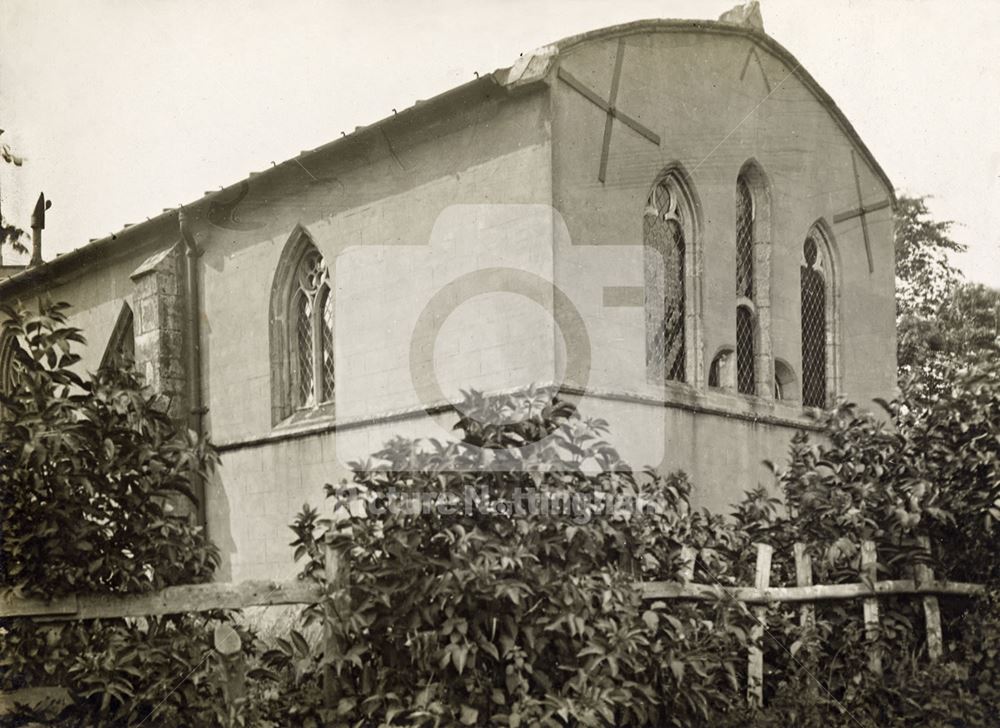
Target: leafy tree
<point x="515" y="615"/>
<point x="943" y="323"/>
<point x="933" y="470"/>
<point x="924" y="274"/>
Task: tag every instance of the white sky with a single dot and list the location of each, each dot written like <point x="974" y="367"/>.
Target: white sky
<point x="124" y="107"/>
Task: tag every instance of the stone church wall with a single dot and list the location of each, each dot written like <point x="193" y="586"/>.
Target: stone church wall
<point x="386" y="198"/>
<point x="687" y="88"/>
<point x="389" y="190"/>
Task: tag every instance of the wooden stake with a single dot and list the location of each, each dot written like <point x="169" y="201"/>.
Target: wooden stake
<point x="869" y="561"/>
<point x="687" y="558"/>
<point x="755" y="662"/>
<point x="932" y="611"/>
<point x="804" y="577"/>
<point x="807" y="612"/>
<point x="333" y="576"/>
<point x="227" y="643"/>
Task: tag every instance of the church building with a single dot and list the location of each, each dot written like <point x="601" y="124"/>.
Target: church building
<point x="670" y="220"/>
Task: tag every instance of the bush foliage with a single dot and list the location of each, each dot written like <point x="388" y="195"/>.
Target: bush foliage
<point x="476" y="606"/>
<point x="519" y="617"/>
<point x="88" y="467"/>
<point x="505" y="618"/>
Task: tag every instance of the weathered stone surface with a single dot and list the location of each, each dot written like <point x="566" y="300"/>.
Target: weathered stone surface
<point x="746" y="14"/>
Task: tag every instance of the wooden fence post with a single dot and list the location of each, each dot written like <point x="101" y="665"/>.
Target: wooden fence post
<point x="932" y="611"/>
<point x="333" y="579"/>
<point x="755" y="662"/>
<point x="228" y="644"/>
<point x="804" y="577"/>
<point x="687" y="558"/>
<point x="869" y="561"/>
<point x="807" y="612"/>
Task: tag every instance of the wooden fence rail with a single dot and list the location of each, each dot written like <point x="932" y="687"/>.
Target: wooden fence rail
<point x="205" y="597"/>
<point x="172" y="600"/>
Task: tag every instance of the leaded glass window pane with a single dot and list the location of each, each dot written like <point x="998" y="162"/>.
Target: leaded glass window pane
<point x="312" y="333"/>
<point x="745" y="351"/>
<point x="744" y="240"/>
<point x="813" y="311"/>
<point x="328" y="380"/>
<point x="664" y="237"/>
<point x="745" y="319"/>
<point x="304" y="350"/>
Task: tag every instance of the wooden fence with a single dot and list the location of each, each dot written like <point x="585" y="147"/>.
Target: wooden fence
<point x="205" y="597"/>
<point x="805" y="593"/>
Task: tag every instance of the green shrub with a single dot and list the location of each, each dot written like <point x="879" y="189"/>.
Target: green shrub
<point x="504" y="618"/>
<point x="491" y="615"/>
<point x="87" y="467"/>
<point x="931" y="470"/>
<point x="499" y="615"/>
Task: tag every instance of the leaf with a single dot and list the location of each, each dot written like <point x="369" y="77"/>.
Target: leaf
<point x="468" y="715"/>
<point x="459" y="656"/>
<point x="677" y="668"/>
<point x="651" y="619"/>
<point x="301" y="646"/>
<point x="263" y="673"/>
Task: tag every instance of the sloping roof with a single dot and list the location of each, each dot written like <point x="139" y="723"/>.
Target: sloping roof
<point x="529" y="70"/>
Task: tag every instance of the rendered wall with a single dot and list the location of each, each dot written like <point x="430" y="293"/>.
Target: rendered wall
<point x="410" y="207"/>
<point x="381" y="210"/>
<point x="687" y="88"/>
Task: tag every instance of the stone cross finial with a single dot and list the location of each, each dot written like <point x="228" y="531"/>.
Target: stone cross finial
<point x="746" y="14"/>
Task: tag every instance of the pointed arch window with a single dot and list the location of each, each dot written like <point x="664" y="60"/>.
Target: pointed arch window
<point x="746" y="323"/>
<point x="120" y="351"/>
<point x="302" y="320"/>
<point x="668" y="232"/>
<point x="754" y="364"/>
<point x="816" y="322"/>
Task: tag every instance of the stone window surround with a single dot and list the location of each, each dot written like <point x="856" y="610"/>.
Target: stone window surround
<point x="693" y="345"/>
<point x="763" y="402"/>
<point x="281" y="330"/>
